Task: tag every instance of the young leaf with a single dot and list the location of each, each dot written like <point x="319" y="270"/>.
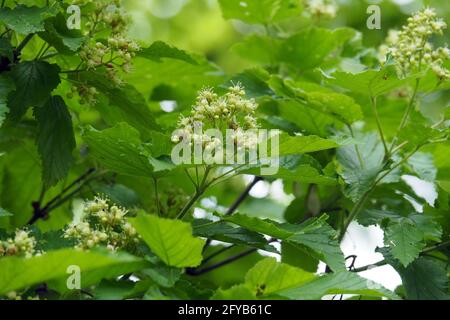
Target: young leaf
<point x="18" y="273"/>
<point x="268" y="277"/>
<point x="337" y="283"/>
<point x="369" y="82"/>
<point x="55" y="139"/>
<point x="120" y="149"/>
<point x="125" y="103"/>
<point x="34" y="81"/>
<point x="309" y="48"/>
<point x="170" y="240"/>
<point x="159" y="50"/>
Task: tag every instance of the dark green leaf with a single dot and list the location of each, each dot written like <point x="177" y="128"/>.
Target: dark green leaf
<point x="34" y="81"/>
<point x="55" y="139"/>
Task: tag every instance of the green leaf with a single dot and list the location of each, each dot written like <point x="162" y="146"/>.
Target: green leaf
<point x="425" y="279"/>
<point x="257" y="48"/>
<point x="337" y="105"/>
<point x="314" y="237"/>
<point x="125" y="103"/>
<point x="25" y="20"/>
<point x="405" y="241"/>
<point x="369" y="82"/>
<point x="317" y="99"/>
<point x="224" y="232"/>
<point x="159" y="50"/>
<point x="21" y="182"/>
<point x="6" y="86"/>
<point x="298" y="258"/>
<point x="309" y="48"/>
<point x="337" y="283"/>
<point x="290" y="145"/>
<point x="120" y="149"/>
<point x="18" y="273"/>
<point x="259" y="11"/>
<point x="34" y="81"/>
<point x="268" y="277"/>
<point x="60" y="37"/>
<point x="422" y="164"/>
<point x="170" y="240"/>
<point x="299" y="167"/>
<point x="237" y="292"/>
<point x="360" y="165"/>
<point x="55" y="139"/>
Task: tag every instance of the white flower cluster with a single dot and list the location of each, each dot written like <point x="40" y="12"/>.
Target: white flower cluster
<point x="23" y="245"/>
<point x="411" y="49"/>
<point x="322" y="8"/>
<point x="102" y="224"/>
<point x="115" y="53"/>
<point x="230" y="111"/>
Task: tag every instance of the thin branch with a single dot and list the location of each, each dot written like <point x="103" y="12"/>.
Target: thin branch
<point x="237" y="203"/>
<point x="243" y="196"/>
<point x="155" y="185"/>
<point x="385" y="262"/>
<point x="373" y="103"/>
<point x="23" y="43"/>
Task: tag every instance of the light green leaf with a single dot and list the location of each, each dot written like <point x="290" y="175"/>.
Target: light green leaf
<point x="159" y="50"/>
<point x="290" y="145"/>
<point x="237" y="292"/>
<point x="302" y="168"/>
<point x="55" y="139"/>
<point x="268" y="277"/>
<point x="120" y="149"/>
<point x="337" y="105"/>
<point x="405" y="241"/>
<point x="34" y="81"/>
<point x="260" y="11"/>
<point x="309" y="48"/>
<point x="25" y="20"/>
<point x="314" y="237"/>
<point x="170" y="240"/>
<point x="125" y="103"/>
<point x="369" y="82"/>
<point x="17" y="273"/>
<point x="337" y="283"/>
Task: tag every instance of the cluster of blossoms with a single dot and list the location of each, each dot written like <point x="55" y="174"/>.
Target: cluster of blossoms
<point x="322" y="8"/>
<point x="232" y="111"/>
<point x="411" y="49"/>
<point x="22" y="245"/>
<point x="102" y="224"/>
<point x="115" y="53"/>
